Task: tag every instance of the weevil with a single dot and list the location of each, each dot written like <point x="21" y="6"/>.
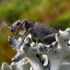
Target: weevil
<point x="38" y="30"/>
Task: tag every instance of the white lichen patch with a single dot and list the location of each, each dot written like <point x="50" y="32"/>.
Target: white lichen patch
<point x="37" y="56"/>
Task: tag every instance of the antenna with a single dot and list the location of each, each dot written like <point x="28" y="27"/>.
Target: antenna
<point x="4" y="24"/>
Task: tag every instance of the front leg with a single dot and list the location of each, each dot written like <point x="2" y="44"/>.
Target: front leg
<point x="22" y="33"/>
<point x="26" y="26"/>
<point x="29" y="31"/>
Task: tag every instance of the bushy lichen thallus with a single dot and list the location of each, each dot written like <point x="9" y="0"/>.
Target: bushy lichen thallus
<point x="33" y="50"/>
<point x="56" y="51"/>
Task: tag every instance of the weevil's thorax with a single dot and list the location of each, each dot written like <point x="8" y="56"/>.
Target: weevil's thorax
<point x="28" y="23"/>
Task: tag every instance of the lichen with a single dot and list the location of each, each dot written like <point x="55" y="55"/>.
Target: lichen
<point x="37" y="56"/>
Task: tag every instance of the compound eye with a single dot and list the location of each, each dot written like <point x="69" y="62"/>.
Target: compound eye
<point x="18" y="23"/>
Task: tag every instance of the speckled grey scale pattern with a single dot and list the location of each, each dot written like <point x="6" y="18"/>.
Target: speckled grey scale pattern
<point x="40" y="31"/>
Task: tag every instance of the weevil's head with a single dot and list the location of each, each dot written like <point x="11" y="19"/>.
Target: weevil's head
<point x="21" y="25"/>
<point x="16" y="25"/>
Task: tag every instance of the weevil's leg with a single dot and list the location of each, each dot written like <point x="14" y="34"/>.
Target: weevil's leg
<point x="33" y="40"/>
<point x="26" y="26"/>
<point x="22" y="33"/>
<point x="50" y="38"/>
<point x="29" y="30"/>
<point x="51" y="35"/>
<point x="16" y="32"/>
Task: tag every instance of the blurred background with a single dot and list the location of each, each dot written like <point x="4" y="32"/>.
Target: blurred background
<point x="55" y="13"/>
